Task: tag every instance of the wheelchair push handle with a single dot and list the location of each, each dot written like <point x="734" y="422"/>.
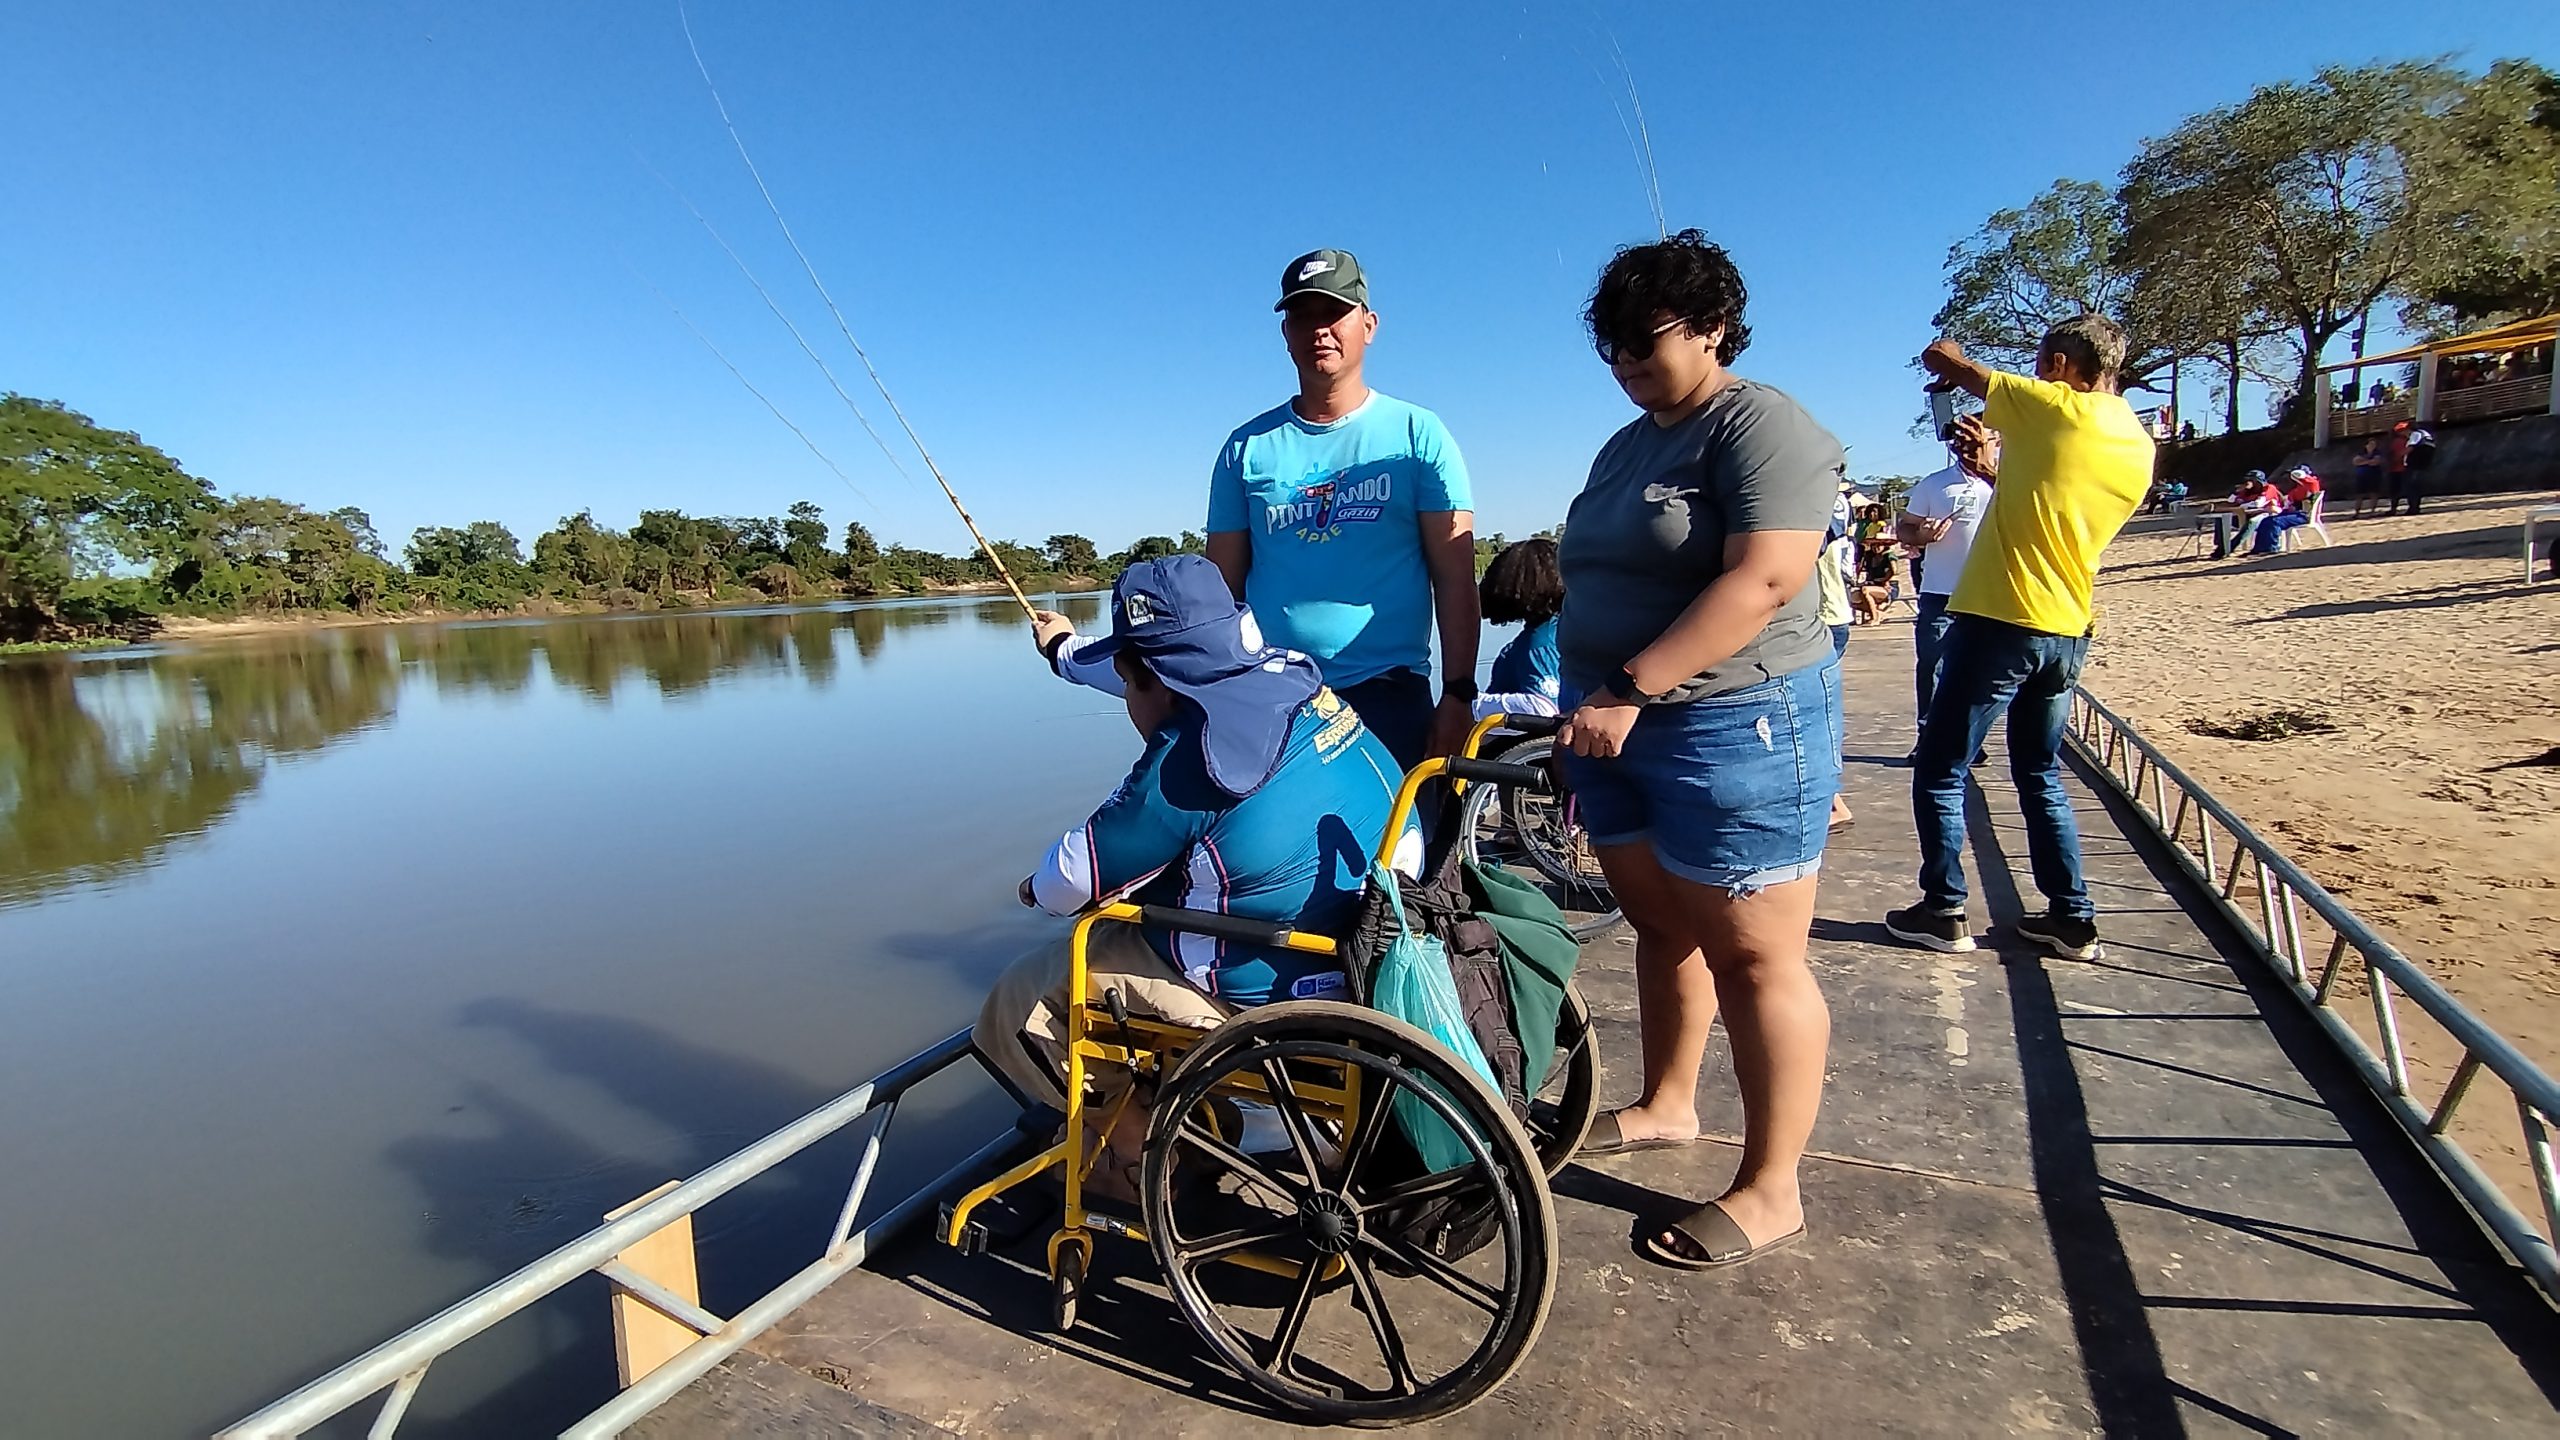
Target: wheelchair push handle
<point x="1533" y="726"/>
<point x="1535" y="778"/>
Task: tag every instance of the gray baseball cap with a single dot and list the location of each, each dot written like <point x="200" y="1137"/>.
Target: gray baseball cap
<point x="1324" y="272"/>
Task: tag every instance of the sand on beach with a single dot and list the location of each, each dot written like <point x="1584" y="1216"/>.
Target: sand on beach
<point x="2425" y="811"/>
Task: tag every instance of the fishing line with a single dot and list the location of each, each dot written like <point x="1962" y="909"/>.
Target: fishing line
<point x="771" y="304"/>
<point x="1652" y="176"/>
<point x="739" y="142"/>
<point x="731" y="367"/>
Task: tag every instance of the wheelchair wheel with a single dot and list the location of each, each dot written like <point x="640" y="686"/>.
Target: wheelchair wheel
<point x="1332" y="1273"/>
<point x="1561" y="1113"/>
<point x="1538" y="837"/>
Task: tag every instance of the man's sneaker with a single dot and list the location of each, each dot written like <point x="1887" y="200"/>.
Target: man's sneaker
<point x="2070" y="938"/>
<point x="1930" y="929"/>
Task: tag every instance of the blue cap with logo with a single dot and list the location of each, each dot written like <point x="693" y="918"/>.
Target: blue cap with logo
<point x="1176" y="614"/>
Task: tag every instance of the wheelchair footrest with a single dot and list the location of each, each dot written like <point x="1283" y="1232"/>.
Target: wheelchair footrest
<point x="974" y="1238"/>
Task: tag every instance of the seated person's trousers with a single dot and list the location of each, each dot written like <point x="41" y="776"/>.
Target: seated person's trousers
<point x="1022" y="1029"/>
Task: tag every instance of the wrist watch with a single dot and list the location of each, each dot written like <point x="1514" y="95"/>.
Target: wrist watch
<point x="1455" y="688"/>
<point x="1623" y="685"/>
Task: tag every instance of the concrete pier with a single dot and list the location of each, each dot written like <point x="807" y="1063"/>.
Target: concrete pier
<point x="2139" y="1196"/>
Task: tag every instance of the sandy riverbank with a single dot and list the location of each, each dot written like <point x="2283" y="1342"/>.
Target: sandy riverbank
<point x="2421" y="640"/>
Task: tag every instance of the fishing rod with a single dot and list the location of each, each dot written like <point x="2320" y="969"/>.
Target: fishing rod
<point x="842" y="326"/>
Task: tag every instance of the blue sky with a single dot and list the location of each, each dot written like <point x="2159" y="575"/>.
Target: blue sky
<point x="398" y="254"/>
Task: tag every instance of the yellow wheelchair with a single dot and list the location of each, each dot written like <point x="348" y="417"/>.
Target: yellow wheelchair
<point x="1329" y="1270"/>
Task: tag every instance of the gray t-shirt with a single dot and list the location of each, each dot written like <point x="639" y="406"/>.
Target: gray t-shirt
<point x="1647" y="534"/>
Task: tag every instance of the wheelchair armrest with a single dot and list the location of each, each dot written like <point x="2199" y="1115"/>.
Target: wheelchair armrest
<point x="1536" y="778"/>
<point x="1237" y="928"/>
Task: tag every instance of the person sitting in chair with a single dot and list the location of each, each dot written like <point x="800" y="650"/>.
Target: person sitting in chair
<point x="1257" y="795"/>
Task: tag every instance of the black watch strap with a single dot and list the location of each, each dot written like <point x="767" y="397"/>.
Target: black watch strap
<point x="1455" y="688"/>
<point x="1623" y="685"/>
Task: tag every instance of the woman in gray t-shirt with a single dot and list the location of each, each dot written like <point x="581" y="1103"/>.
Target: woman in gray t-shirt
<point x="1705" y="747"/>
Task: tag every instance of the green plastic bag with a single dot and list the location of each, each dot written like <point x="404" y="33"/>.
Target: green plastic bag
<point x="1411" y="982"/>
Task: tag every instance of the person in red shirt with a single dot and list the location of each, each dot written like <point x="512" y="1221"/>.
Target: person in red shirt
<point x="2299" y="488"/>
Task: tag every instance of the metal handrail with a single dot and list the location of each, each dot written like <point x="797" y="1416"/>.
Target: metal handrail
<point x="2274" y="931"/>
<point x="400" y="1364"/>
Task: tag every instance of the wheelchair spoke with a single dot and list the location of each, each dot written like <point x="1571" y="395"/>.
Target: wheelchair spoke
<point x="1294" y="1116"/>
<point x="1374" y="1120"/>
<point x="1235" y="1160"/>
<point x="1284" y="1340"/>
<point x="1210" y="1247"/>
<point x="1383" y="1326"/>
<point x="1457" y="1282"/>
<point x="1422" y="1189"/>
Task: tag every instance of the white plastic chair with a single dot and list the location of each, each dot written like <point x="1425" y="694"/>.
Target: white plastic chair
<point x="2318" y="526"/>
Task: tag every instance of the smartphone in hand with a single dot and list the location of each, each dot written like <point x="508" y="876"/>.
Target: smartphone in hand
<point x="1942" y="413"/>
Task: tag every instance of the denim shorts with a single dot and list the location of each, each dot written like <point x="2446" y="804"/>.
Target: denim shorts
<point x="1734" y="790"/>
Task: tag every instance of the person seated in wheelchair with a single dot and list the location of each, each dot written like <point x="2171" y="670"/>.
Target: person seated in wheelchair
<point x="1257" y="794"/>
<point x="1523" y="586"/>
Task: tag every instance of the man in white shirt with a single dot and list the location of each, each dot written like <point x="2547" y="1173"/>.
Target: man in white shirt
<point x="1939" y="519"/>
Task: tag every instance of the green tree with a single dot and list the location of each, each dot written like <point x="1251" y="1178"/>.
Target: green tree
<point x="859" y="547"/>
<point x="1073" y="554"/>
<point x="2029" y="269"/>
<point x="2490" y="167"/>
<point x="2305" y="191"/>
<point x="77" y="502"/>
<point x="579" y="555"/>
<point x="804" y="539"/>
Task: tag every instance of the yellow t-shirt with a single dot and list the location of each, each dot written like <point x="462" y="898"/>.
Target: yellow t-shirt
<point x="2074" y="466"/>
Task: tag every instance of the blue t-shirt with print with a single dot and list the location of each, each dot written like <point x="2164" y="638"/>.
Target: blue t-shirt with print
<point x="1295" y="850"/>
<point x="1529" y="665"/>
<point x="1333" y="514"/>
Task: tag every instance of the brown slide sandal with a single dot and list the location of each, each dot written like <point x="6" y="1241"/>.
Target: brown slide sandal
<point x="1720" y="1240"/>
<point x="1608" y="1137"/>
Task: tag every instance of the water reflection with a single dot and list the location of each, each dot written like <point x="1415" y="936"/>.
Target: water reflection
<point x="107" y="761"/>
<point x="102" y="766"/>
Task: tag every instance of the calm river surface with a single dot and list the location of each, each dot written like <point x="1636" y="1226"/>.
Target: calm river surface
<point x="342" y="973"/>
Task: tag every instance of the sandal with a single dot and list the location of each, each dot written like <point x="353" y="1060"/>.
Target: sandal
<point x="1613" y="1139"/>
<point x="1720" y="1242"/>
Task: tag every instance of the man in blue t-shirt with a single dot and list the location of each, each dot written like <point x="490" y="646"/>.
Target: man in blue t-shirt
<point x="1344" y="518"/>
<point x="1259" y="794"/>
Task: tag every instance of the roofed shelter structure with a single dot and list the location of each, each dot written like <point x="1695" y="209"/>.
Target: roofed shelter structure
<point x="2518" y="383"/>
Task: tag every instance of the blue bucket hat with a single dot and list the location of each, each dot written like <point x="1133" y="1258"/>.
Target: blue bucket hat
<point x="1177" y="615"/>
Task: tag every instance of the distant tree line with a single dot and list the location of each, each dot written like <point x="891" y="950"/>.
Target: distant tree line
<point x="2251" y="236"/>
<point x="101" y="532"/>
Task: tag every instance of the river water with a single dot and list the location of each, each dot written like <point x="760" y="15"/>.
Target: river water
<point x="341" y="973"/>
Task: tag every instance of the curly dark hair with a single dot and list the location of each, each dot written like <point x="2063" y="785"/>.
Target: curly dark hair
<point x="1687" y="275"/>
<point x="1523" y="584"/>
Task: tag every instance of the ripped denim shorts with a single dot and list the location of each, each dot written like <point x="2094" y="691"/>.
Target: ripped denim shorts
<point x="1733" y="790"/>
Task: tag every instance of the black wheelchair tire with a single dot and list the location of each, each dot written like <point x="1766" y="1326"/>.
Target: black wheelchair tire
<point x="1386" y="1050"/>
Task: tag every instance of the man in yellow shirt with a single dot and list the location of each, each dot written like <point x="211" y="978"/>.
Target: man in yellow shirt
<point x="2075" y="464"/>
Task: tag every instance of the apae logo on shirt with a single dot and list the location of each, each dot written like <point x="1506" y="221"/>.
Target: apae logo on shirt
<point x="1317" y="510"/>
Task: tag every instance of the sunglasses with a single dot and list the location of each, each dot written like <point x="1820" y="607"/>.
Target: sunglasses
<point x="1611" y="351"/>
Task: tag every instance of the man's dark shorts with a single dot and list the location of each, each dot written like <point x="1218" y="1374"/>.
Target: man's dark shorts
<point x="1397" y="708"/>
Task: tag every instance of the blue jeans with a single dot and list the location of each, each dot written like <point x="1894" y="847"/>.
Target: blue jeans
<point x="1929" y="638"/>
<point x="1733" y="791"/>
<point x="1986" y="667"/>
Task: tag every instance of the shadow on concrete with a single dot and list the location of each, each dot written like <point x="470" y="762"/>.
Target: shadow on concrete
<point x="2454" y="1271"/>
<point x="2119" y="1353"/>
